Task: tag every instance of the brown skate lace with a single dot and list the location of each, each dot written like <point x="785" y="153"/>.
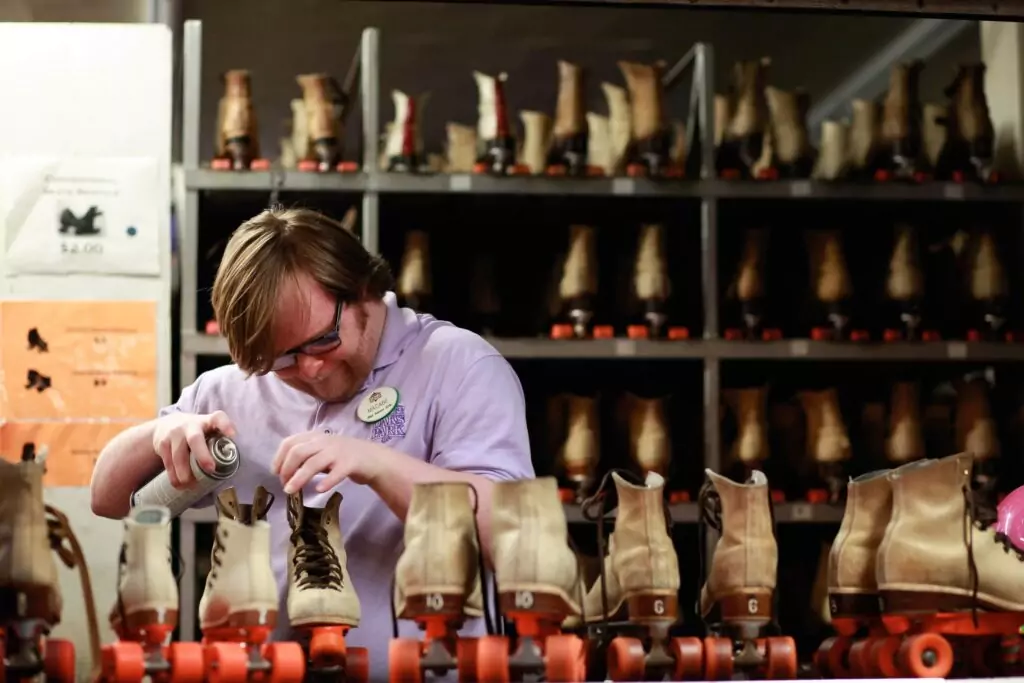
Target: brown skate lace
<point x="59" y="532"/>
<point x="982" y="513"/>
<point x="316" y="563"/>
<point x="594" y="509"/>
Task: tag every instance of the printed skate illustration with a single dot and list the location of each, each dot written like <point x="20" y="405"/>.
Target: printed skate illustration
<point x="239" y="606"/>
<point x="970" y="137"/>
<point x="902" y="154"/>
<point x="36" y="341"/>
<point x="438" y="584"/>
<point x="238" y="140"/>
<point x="31" y="603"/>
<point x="637" y="589"/>
<point x="145" y="613"/>
<point x="82" y="226"/>
<point x="738" y="600"/>
<point x="38" y="381"/>
<point x="749" y="290"/>
<point x="743" y="142"/>
<point x="538" y="582"/>
<point x="322" y="603"/>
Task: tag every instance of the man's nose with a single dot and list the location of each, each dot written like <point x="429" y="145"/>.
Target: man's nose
<point x="309" y="366"/>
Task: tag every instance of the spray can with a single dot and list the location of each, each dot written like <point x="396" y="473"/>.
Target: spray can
<point x="158" y="491"/>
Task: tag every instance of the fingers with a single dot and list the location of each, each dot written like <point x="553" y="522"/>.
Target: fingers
<point x="332" y="478"/>
<point x="321" y="461"/>
<point x="195" y="437"/>
<point x="220" y="421"/>
<point x="180" y="458"/>
<point x="286" y="445"/>
<point x="164" y="451"/>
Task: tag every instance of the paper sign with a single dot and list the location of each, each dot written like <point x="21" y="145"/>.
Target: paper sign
<point x="71" y="447"/>
<point x="79" y="359"/>
<point x="80" y="215"/>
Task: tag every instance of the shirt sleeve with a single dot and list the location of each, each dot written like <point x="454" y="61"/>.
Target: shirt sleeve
<point x="481" y="424"/>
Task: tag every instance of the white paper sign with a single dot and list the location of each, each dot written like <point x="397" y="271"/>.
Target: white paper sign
<point x="80" y="215"/>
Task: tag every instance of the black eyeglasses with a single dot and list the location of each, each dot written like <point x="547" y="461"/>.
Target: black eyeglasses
<point x="314" y="347"/>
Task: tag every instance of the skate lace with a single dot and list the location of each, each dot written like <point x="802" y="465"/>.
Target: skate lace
<point x="316" y="563"/>
<point x="594" y="509"/>
<point x="982" y="513"/>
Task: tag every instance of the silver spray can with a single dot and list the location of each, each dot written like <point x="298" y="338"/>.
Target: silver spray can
<point x="160" y="492"/>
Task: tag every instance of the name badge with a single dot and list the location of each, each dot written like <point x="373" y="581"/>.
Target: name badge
<point x="377" y="405"/>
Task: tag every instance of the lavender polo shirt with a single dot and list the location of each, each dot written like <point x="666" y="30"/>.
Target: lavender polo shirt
<point x="461" y="407"/>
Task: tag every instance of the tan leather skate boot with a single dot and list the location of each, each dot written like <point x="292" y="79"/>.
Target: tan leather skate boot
<point x="750" y="447"/>
<point x="240" y="593"/>
<point x="833" y="287"/>
<point x="738" y="598"/>
<point x="943" y="568"/>
<point x="415" y="288"/>
<point x="678" y="151"/>
<point x="828" y="444"/>
<point x="620" y="126"/>
<point x="723" y="115"/>
<point x="651" y="135"/>
<point x="494" y="134"/>
<point x="834" y="157"/>
<point x="569" y="143"/>
<point x="933" y="131"/>
<point x="238" y="139"/>
<point x="461" y="148"/>
<point x="577" y="287"/>
<point x="650" y="445"/>
<point x="599" y="150"/>
<point x="404" y="145"/>
<point x="905" y="287"/>
<point x="988" y="287"/>
<point x="580" y="452"/>
<point x="865" y="139"/>
<point x="147" y="595"/>
<point x="819" y="590"/>
<point x="536" y="141"/>
<point x="976" y="430"/>
<point x="906" y="436"/>
<point x="743" y="143"/>
<point x="747" y="290"/>
<point x="651" y="285"/>
<point x="901" y="141"/>
<point x="794" y="156"/>
<point x="970" y="135"/>
<point x="322" y="124"/>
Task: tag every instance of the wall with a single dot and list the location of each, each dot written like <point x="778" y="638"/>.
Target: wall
<point x="434" y="47"/>
<point x="75" y="10"/>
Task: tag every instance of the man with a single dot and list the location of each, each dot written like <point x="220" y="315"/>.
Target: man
<point x="314" y="329"/>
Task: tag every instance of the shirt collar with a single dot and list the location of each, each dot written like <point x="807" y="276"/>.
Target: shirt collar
<point x="400" y="326"/>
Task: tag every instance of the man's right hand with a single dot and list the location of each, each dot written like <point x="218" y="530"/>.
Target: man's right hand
<point x="178" y="436"/>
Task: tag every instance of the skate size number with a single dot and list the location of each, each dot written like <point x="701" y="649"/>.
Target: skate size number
<point x="659" y="606"/>
<point x="523" y="600"/>
<point x="753" y="606"/>
<point x="435" y="602"/>
<point x="95" y="248"/>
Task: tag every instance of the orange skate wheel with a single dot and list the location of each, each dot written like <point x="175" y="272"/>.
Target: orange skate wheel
<point x="565" y="658"/>
<point x="327" y="647"/>
<point x="404" y="661"/>
<point x="466" y="659"/>
<point x="835" y="657"/>
<point x="859" y="658"/>
<point x="781" y="656"/>
<point x="883" y="655"/>
<point x="689" y="654"/>
<point x="186" y="660"/>
<point x="122" y="662"/>
<point x="59" y="661"/>
<point x="717" y="658"/>
<point x="926" y="655"/>
<point x="287" y="662"/>
<point x="492" y="660"/>
<point x="357" y="665"/>
<point x="627" y="659"/>
<point x="225" y="663"/>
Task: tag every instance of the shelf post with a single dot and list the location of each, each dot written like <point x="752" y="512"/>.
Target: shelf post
<point x="370" y="88"/>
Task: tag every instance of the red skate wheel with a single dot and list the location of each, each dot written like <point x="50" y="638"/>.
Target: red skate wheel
<point x="186" y="660"/>
<point x="122" y="662"/>
<point x="626" y="659"/>
<point x="859" y="658"/>
<point x="357" y="665"/>
<point x="564" y="658"/>
<point x="287" y="662"/>
<point x="883" y="654"/>
<point x="404" y="661"/>
<point x="327" y="647"/>
<point x="781" y="658"/>
<point x="689" y="656"/>
<point x="226" y="663"/>
<point x="466" y="659"/>
<point x="926" y="655"/>
<point x="492" y="660"/>
<point x="835" y="657"/>
<point x="717" y="659"/>
<point x="59" y="661"/>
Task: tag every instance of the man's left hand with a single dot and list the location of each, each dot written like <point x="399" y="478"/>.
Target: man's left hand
<point x="302" y="456"/>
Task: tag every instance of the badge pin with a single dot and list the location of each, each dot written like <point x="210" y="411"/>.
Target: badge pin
<point x="377" y="405"/>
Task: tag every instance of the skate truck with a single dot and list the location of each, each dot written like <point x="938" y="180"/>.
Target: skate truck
<point x="30" y="595"/>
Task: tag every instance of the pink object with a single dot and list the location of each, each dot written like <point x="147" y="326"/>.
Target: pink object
<point x="1010" y="522"/>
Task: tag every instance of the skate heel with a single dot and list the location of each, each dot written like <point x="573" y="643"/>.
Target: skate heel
<point x="328" y="656"/>
<point x="238" y="648"/>
<point x="144" y="649"/>
<point x="439" y="616"/>
<point x="678" y="658"/>
<point x="744" y="616"/>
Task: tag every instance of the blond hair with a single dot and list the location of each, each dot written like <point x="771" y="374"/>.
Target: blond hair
<point x="277" y="244"/>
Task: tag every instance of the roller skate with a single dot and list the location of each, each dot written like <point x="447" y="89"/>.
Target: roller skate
<point x="833" y="162"/>
<point x="651" y="135"/>
<point x="322" y="603"/>
<point x="650" y="441"/>
<point x="498" y="155"/>
<point x="637" y="590"/>
<point x="238" y="609"/>
<point x="865" y="139"/>
<point x="146" y="611"/>
<point x="415" y="286"/>
<point x="749" y="292"/>
<point x="828" y="444"/>
<point x="238" y="140"/>
<point x="737" y="600"/>
<point x="905" y="290"/>
<point x="833" y="288"/>
<point x="620" y="127"/>
<point x="403" y="148"/>
<point x="30" y="598"/>
<point x="579" y="453"/>
<point x="977" y="433"/>
<point x="902" y="152"/>
<point x="988" y="290"/>
<point x="599" y="148"/>
<point x="536" y="141"/>
<point x="750" y="449"/>
<point x="905" y="440"/>
<point x="438" y="584"/>
<point x="569" y="145"/>
<point x="460" y="150"/>
<point x="793" y="155"/>
<point x="652" y="288"/>
<point x="743" y="139"/>
<point x="949" y="575"/>
<point x="538" y="580"/>
<point x="970" y="137"/>
<point x="577" y="289"/>
<point x="934" y="119"/>
<point x="323" y="106"/>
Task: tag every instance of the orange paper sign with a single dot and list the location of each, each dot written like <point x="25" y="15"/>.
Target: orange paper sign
<point x="79" y="359"/>
<point x="71" y="448"/>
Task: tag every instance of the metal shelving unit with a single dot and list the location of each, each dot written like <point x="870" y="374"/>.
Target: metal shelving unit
<point x="708" y="349"/>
